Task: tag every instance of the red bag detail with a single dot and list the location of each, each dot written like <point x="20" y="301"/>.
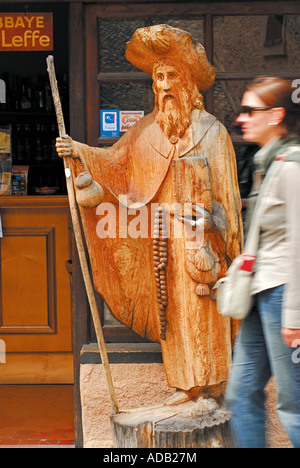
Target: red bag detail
<point x="248" y="263"/>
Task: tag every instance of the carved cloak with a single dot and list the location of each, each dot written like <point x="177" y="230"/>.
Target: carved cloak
<point x="143" y="169"/>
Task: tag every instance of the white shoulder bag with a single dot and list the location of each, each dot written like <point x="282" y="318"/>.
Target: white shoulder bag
<point x="234" y="297"/>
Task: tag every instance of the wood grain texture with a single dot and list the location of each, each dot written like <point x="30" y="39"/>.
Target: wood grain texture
<point x="160" y="285"/>
<point x="197" y="349"/>
<point x="194" y="425"/>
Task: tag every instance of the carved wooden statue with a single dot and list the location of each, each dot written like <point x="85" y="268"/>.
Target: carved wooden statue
<point x="173" y="171"/>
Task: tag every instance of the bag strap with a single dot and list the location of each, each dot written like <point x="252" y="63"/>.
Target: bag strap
<point x="292" y="155"/>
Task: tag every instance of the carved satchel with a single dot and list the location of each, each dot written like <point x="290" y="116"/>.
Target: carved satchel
<point x="234" y="297"/>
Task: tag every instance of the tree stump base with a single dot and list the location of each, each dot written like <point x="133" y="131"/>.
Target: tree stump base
<point x="200" y="424"/>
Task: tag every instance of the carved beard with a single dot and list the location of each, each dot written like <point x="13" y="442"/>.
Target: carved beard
<point x="174" y="111"/>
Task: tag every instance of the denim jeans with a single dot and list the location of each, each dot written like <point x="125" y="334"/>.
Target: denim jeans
<point x="260" y="353"/>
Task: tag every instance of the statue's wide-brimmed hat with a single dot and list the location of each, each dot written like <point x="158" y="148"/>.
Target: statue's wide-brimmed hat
<point x="150" y="44"/>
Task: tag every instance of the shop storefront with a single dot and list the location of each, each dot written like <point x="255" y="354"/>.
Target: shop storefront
<point x="35" y="292"/>
<point x="46" y="324"/>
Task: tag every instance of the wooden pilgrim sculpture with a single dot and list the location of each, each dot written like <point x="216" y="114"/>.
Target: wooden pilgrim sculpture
<point x="173" y="172"/>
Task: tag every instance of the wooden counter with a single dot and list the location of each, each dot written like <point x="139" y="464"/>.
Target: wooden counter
<point x="37" y="201"/>
<point x="35" y="309"/>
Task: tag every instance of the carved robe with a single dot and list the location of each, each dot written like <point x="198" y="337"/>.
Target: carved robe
<point x="145" y="168"/>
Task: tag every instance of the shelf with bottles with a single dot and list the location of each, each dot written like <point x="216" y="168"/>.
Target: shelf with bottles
<point x="32" y="147"/>
<point x="34" y="143"/>
<point x="28" y="111"/>
<point x="26" y="94"/>
<point x="28" y="108"/>
<point x="21" y="115"/>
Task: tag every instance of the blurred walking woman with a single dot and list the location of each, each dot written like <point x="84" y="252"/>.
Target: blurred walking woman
<point x="266" y="343"/>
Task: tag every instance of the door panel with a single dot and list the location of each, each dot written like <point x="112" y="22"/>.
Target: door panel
<point x="23" y="251"/>
<point x="35" y="309"/>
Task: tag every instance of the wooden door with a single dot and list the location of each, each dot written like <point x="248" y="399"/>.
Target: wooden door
<point x="35" y="311"/>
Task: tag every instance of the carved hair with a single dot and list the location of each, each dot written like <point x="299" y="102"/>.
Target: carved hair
<point x="277" y="92"/>
<point x="150" y="44"/>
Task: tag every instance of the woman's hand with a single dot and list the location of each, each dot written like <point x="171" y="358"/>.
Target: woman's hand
<point x="65" y="147"/>
<point x="291" y="336"/>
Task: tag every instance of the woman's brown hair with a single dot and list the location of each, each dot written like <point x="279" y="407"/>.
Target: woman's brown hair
<point x="277" y="92"/>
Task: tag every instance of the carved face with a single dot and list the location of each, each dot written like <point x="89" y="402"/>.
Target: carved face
<point x="168" y="85"/>
<point x="173" y="89"/>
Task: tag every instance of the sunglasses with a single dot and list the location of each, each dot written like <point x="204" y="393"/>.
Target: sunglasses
<point x="249" y="110"/>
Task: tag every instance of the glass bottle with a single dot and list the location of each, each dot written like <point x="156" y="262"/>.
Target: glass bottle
<point x="19" y="147"/>
<point x="27" y="145"/>
<point x="3" y="85"/>
<point x="38" y="144"/>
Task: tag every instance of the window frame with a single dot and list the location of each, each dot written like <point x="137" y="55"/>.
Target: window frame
<point x="94" y="79"/>
<point x="203" y="10"/>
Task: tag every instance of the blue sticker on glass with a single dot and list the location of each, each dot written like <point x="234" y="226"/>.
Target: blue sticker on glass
<point x="109" y="123"/>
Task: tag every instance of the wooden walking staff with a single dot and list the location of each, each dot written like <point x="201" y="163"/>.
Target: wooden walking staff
<point x="79" y="239"/>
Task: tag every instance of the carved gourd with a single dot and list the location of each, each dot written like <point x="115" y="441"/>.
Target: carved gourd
<point x="89" y="193"/>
